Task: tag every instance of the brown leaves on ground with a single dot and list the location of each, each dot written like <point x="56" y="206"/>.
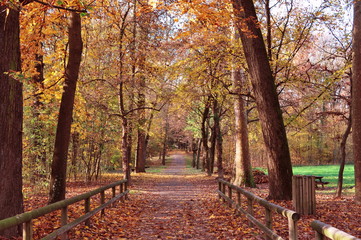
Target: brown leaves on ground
<point x="344" y="214"/>
<point x="182" y="204"/>
<point x="259" y="176"/>
<point x="155" y="212"/>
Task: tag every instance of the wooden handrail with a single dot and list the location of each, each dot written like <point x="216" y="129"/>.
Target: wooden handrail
<point x="292" y="216"/>
<point x="27" y="217"/>
<point x="325" y="230"/>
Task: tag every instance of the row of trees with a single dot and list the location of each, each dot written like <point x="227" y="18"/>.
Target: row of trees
<point x="308" y="69"/>
<point x="77" y="93"/>
<point x="109" y="83"/>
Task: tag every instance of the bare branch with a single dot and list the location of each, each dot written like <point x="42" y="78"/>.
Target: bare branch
<point x="60" y="7"/>
<point x="308" y="106"/>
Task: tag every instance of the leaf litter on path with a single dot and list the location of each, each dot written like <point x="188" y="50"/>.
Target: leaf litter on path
<point x="180" y="204"/>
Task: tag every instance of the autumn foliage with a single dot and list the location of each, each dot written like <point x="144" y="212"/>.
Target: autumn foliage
<point x="179" y="203"/>
<point x="154" y="76"/>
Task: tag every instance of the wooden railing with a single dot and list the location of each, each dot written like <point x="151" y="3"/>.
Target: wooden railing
<point x="27" y="217"/>
<point x="324" y="230"/>
<point x="270" y="208"/>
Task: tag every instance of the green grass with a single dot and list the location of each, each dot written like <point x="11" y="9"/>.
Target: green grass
<point x="155" y="169"/>
<point x="188" y="159"/>
<point x="189" y="167"/>
<point x="329" y="173"/>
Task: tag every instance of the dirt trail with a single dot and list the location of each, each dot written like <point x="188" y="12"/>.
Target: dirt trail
<point x="175" y="204"/>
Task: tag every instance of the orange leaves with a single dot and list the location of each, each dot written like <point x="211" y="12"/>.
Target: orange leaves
<point x="216" y="13"/>
<point x="185" y="206"/>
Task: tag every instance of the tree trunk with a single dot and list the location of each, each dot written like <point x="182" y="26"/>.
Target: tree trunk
<point x="243" y="167"/>
<point x="126" y="126"/>
<point x="199" y="151"/>
<point x="11" y="112"/>
<point x="165" y="138"/>
<point x="58" y="167"/>
<point x="126" y="132"/>
<point x="356" y="97"/>
<point x="125" y="153"/>
<point x="218" y="137"/>
<point x="99" y="158"/>
<point x="149" y="126"/>
<point x="37" y="157"/>
<point x="212" y="149"/>
<point x="129" y="144"/>
<point x="343" y="157"/>
<point x="143" y="36"/>
<point x="269" y="29"/>
<point x="141" y="140"/>
<point x="194" y="152"/>
<point x="270" y="115"/>
<point x="74" y="155"/>
<point x="164" y="149"/>
<point x="205" y="158"/>
<point x="141" y="151"/>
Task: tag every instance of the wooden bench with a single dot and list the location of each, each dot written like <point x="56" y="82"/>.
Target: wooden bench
<point x="318" y="181"/>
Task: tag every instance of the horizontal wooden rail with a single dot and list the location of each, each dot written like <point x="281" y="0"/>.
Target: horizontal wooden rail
<point x="324" y="230"/>
<point x="292" y="216"/>
<point x="27" y="217"/>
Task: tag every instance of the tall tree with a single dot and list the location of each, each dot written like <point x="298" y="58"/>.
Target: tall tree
<point x="165" y="136"/>
<point x="62" y="139"/>
<point x="219" y="138"/>
<point x="343" y="157"/>
<point x="356" y="97"/>
<point x="205" y="133"/>
<point x="270" y="115"/>
<point x="145" y="19"/>
<point x="11" y="112"/>
<point x="243" y="173"/>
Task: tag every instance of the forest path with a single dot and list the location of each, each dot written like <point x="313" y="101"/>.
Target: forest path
<point x="175" y="207"/>
<point x="174" y="202"/>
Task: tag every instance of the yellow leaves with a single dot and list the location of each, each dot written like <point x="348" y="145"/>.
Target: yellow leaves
<point x="153" y="3"/>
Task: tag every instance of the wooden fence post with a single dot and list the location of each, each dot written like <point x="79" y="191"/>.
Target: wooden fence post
<point x="250" y="209"/>
<point x="292" y="229"/>
<point x="125" y="189"/>
<point x="28" y="230"/>
<point x="113" y="195"/>
<point x="224" y="190"/>
<point x="121" y="190"/>
<point x="230" y="195"/>
<point x="268" y="218"/>
<point x="86" y="210"/>
<point x="64" y="221"/>
<point x="239" y="198"/>
<point x="113" y="192"/>
<point x="219" y="189"/>
<point x="102" y="201"/>
<point x="319" y="236"/>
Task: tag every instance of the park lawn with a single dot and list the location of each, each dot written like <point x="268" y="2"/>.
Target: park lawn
<point x="329" y="172"/>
